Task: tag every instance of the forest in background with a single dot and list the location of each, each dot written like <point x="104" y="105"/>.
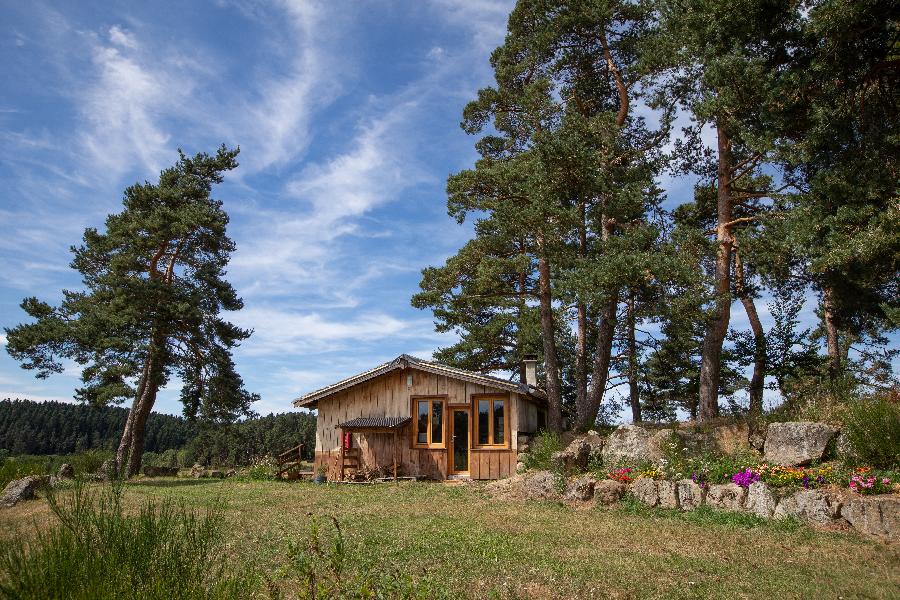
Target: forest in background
<point x="45" y="428"/>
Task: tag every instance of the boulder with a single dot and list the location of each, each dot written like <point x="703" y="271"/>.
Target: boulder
<point x="659" y="443"/>
<point x="608" y="491"/>
<point x="66" y="471"/>
<point x="574" y="458"/>
<point x="690" y="494"/>
<point x="22" y="489"/>
<point x="628" y="443"/>
<point x="874" y="515"/>
<point x="198" y="471"/>
<point x="668" y="494"/>
<point x="797" y="443"/>
<point x="732" y="439"/>
<point x="644" y="490"/>
<point x="815" y="506"/>
<point x="760" y="500"/>
<point x="593" y="439"/>
<point x="580" y="490"/>
<point x="726" y="496"/>
<point x="511" y="487"/>
<point x="228" y="473"/>
<point x="216" y="474"/>
<point x="151" y="471"/>
<point x="540" y="485"/>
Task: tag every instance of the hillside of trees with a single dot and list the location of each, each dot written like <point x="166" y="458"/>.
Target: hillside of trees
<point x="44" y="428"/>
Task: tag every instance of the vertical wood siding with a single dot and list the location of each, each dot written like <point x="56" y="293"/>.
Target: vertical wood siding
<point x="389" y="396"/>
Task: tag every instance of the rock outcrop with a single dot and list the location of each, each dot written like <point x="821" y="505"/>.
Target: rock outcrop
<point x="151" y="471"/>
<point x="797" y="443"/>
<point x="628" y="443"/>
<point x="726" y="496"/>
<point x="574" y="458"/>
<point x="815" y="506"/>
<point x="760" y="500"/>
<point x="608" y="492"/>
<point x="874" y="515"/>
<point x="690" y="494"/>
<point x="646" y="491"/>
<point x="540" y="485"/>
<point x="580" y="490"/>
<point x="668" y="494"/>
<point x="22" y="489"/>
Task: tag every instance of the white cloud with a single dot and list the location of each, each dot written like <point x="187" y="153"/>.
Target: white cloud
<point x="279" y="332"/>
<point x="329" y="197"/>
<point x="121" y="37"/>
<point x="124" y="104"/>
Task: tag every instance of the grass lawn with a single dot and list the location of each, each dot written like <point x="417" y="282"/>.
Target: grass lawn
<point x="469" y="546"/>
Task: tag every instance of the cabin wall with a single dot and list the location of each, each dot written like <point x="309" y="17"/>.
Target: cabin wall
<point x="527" y="417"/>
<point x="389" y="396"/>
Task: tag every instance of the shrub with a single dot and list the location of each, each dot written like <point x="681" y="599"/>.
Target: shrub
<point x="872" y="427"/>
<point x="540" y="451"/>
<point x="262" y="469"/>
<point x="90" y="461"/>
<point x="97" y="551"/>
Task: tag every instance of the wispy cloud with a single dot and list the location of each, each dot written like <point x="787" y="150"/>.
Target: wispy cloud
<point x="279" y="331"/>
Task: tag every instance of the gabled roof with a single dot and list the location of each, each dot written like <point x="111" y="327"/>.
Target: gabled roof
<point x="405" y="361"/>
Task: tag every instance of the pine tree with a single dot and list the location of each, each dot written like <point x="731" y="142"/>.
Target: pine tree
<point x="154" y="289"/>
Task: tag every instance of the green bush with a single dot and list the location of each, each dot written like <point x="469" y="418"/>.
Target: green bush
<point x="541" y="449"/>
<point x="872" y="427"/>
<point x="97" y="551"/>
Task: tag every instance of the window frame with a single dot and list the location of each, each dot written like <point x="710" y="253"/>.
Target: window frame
<point x="490" y="445"/>
<point x="414" y="411"/>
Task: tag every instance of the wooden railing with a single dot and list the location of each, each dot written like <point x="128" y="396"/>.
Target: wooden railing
<point x="290" y="463"/>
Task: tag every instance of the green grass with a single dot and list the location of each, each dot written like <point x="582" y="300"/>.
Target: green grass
<point x="434" y="540"/>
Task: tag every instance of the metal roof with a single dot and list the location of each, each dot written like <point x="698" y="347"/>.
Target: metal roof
<point x="406" y="361"/>
<point x="375" y="423"/>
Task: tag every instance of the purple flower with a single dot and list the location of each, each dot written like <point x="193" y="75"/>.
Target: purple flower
<point x="745" y="478"/>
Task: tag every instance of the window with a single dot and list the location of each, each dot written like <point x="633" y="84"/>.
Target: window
<point x="429" y="422"/>
<point x="492" y="422"/>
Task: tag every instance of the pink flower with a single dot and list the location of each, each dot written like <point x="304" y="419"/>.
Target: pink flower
<point x="885" y="481"/>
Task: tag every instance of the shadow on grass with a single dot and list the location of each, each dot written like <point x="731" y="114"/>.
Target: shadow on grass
<point x="173" y="483"/>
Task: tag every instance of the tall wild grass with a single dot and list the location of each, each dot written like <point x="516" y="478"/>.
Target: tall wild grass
<point x="15" y="467"/>
<point x="96" y="550"/>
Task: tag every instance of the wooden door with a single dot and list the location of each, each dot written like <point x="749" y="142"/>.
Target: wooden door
<point x="460" y="442"/>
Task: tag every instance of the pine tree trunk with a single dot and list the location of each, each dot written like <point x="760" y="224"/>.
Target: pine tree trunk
<point x="139" y="430"/>
<point x="602" y="354"/>
<point x="717" y="328"/>
<point x="757" y="381"/>
<point x="551" y="362"/>
<point x="600" y="371"/>
<point x="144" y="403"/>
<point x="125" y="441"/>
<point x="634" y="394"/>
<point x="831" y="332"/>
<point x="582" y="324"/>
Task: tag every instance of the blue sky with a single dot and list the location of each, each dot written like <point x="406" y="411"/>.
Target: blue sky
<point x="347" y="117"/>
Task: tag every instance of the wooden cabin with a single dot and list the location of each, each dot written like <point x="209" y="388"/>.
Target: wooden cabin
<point x="422" y="419"/>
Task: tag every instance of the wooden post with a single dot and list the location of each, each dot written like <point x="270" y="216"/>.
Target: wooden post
<point x="341" y="434"/>
<point x="396" y="445"/>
